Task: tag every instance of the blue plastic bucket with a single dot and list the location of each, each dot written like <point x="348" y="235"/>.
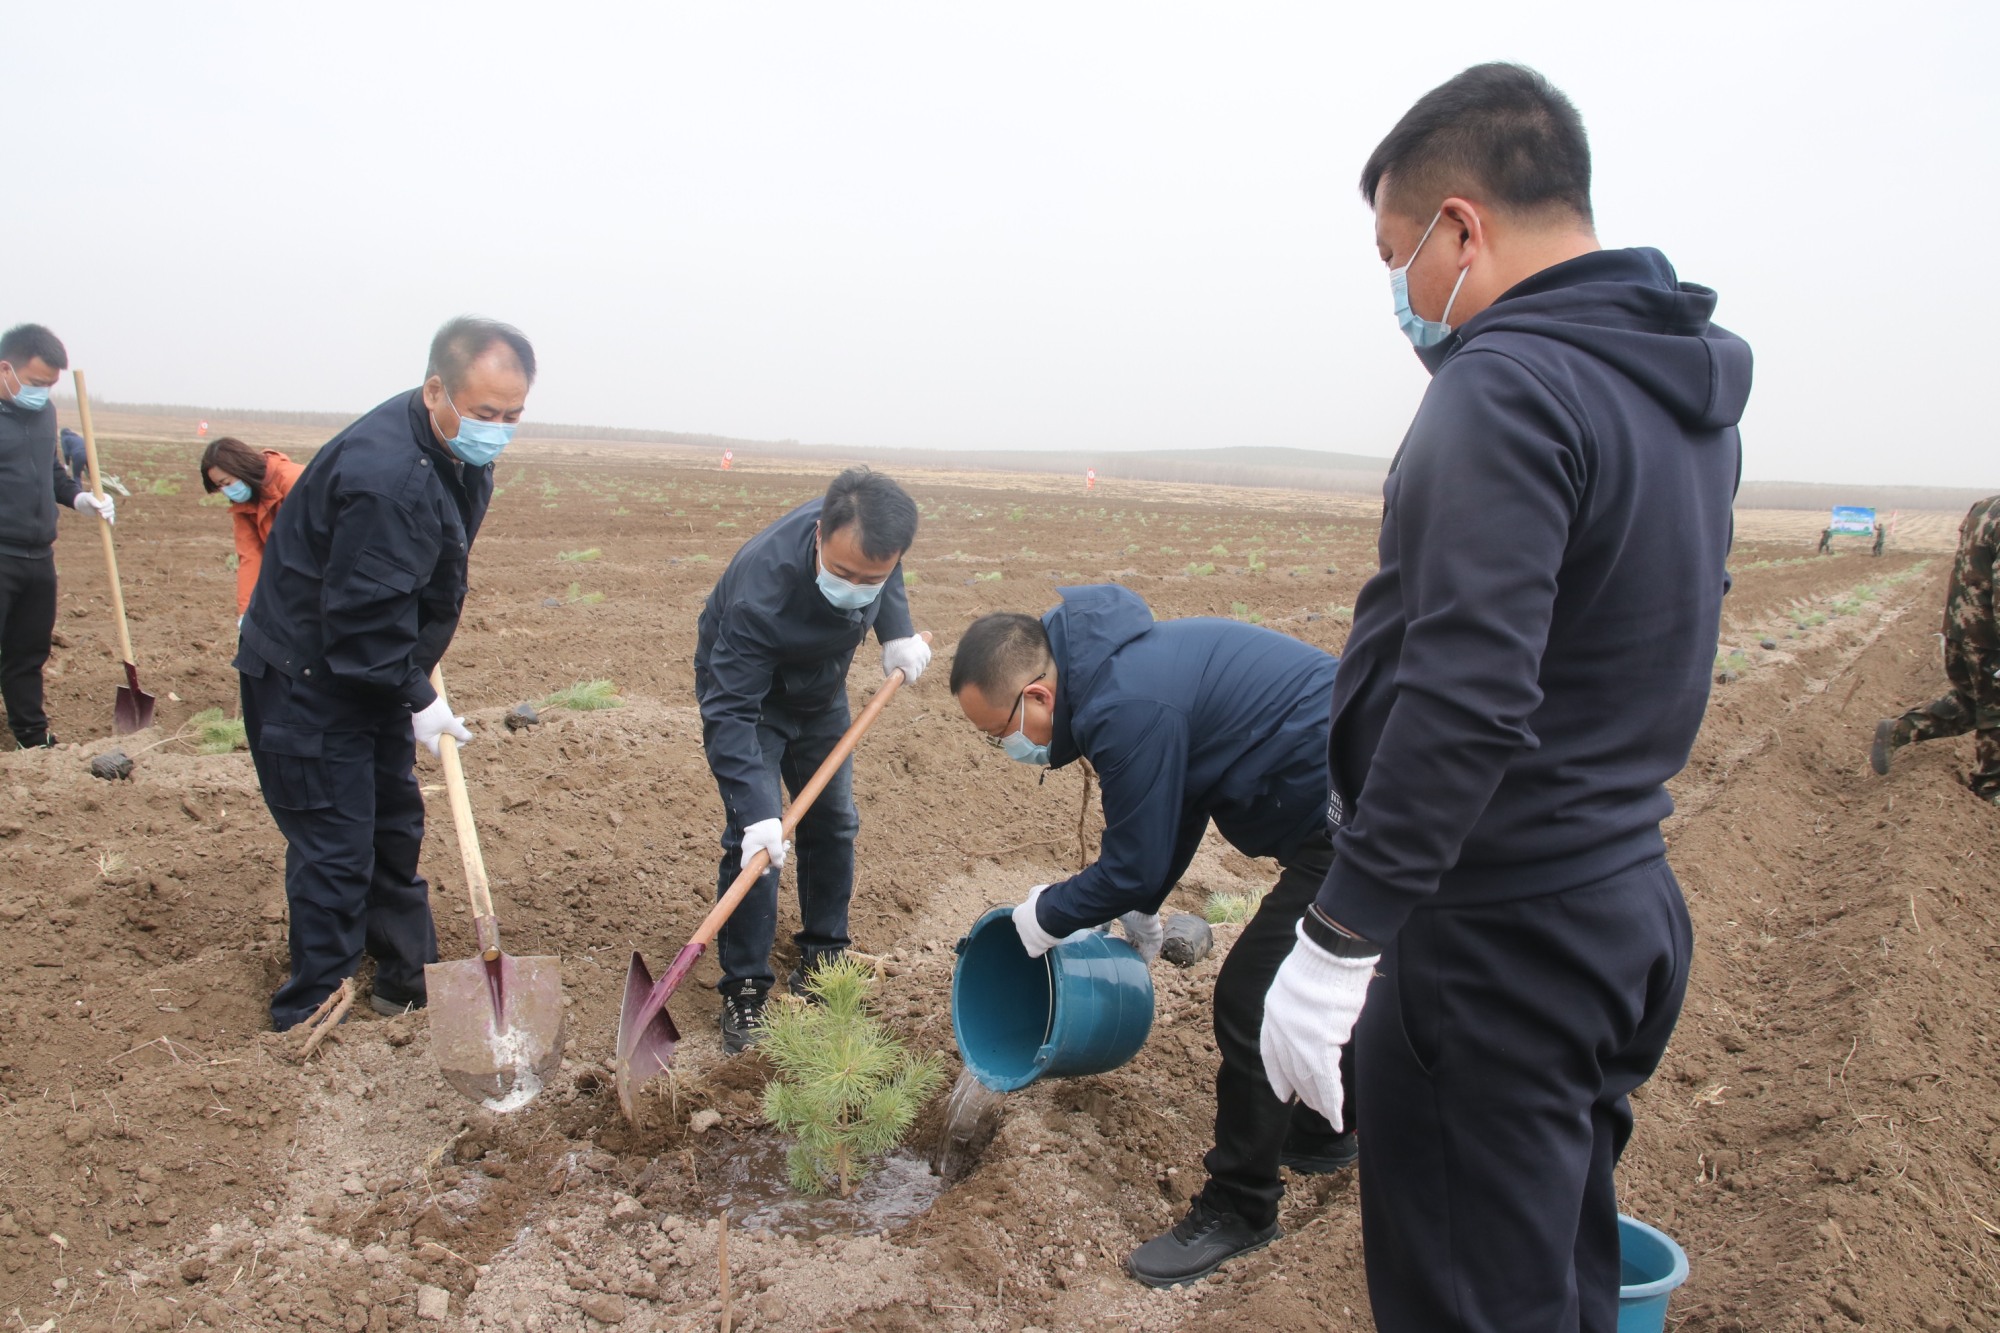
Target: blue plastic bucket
<point x="1650" y="1266"/>
<point x="1084" y="1007"/>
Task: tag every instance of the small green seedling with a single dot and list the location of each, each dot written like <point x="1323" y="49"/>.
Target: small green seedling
<point x="580" y="557"/>
<point x="586" y="696"/>
<point x="1232" y="909"/>
<point x="845" y="1088"/>
<point x="991" y="576"/>
<point x="217" y="734"/>
<point x="581" y="598"/>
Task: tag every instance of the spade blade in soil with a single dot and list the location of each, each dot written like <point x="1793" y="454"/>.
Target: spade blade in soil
<point x="132" y="710"/>
<point x="646" y="1031"/>
<point x="496" y="1025"/>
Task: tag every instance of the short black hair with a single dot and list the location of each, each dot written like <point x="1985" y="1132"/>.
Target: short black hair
<point x="464" y="340"/>
<point x="886" y="513"/>
<point x="25" y="342"/>
<point x="1000" y="653"/>
<point x="1499" y="132"/>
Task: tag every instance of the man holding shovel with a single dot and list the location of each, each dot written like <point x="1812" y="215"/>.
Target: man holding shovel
<point x="364" y="577"/>
<point x="770" y="672"/>
<point x="34" y="482"/>
<point x="1184" y="721"/>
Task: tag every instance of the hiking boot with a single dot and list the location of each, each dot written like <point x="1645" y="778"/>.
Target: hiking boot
<point x="1199" y="1243"/>
<point x="392" y="1008"/>
<point x="1884" y="746"/>
<point x="811" y="961"/>
<point x="742" y="1021"/>
<point x="1320" y="1156"/>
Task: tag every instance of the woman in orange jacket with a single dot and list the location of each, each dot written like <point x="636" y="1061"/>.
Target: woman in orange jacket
<point x="256" y="482"/>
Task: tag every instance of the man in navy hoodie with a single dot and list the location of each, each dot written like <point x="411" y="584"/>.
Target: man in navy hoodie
<point x="1525" y="673"/>
<point x="1183" y="721"/>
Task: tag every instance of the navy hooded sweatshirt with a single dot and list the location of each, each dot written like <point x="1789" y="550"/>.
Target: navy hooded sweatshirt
<point x="1531" y="663"/>
<point x="1184" y="721"/>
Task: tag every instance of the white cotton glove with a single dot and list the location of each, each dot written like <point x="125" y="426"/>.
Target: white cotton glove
<point x="909" y="655"/>
<point x="1309" y="1015"/>
<point x="767" y="836"/>
<point x="434" y="722"/>
<point x="88" y="503"/>
<point x="1146" y="932"/>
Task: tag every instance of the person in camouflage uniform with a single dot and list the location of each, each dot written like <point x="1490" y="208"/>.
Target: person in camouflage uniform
<point x="1971" y="661"/>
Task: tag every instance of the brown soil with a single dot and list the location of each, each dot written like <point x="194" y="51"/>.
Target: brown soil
<point x="1824" y="1138"/>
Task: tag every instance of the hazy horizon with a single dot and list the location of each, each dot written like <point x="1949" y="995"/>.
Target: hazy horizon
<point x="905" y="226"/>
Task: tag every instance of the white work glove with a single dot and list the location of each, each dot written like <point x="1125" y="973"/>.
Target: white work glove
<point x="1033" y="938"/>
<point x="1146" y="933"/>
<point x="434" y="722"/>
<point x="767" y="836"/>
<point x="88" y="503"/>
<point x="910" y="655"/>
<point x="1309" y="1015"/>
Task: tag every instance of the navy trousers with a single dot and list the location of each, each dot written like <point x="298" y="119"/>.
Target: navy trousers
<point x="1495" y="1055"/>
<point x="27" y="620"/>
<point x="794" y="742"/>
<point x="340" y="780"/>
<point x="1252" y="1127"/>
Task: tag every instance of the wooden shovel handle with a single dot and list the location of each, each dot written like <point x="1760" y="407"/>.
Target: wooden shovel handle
<point x="760" y="860"/>
<point x="469" y="854"/>
<point x="110" y="552"/>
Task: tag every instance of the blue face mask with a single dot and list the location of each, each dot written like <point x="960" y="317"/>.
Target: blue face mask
<point x="1017" y="745"/>
<point x="238" y="492"/>
<point x="1420" y="331"/>
<point x="843" y="595"/>
<point x="477" y="442"/>
<point x="29" y="397"/>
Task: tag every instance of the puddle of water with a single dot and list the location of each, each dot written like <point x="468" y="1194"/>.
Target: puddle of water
<point x="752" y="1182"/>
<point x="971" y="1119"/>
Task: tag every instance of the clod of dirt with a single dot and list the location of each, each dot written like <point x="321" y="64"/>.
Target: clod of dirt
<point x="1188" y="940"/>
<point x="112" y="765"/>
<point x="704" y="1120"/>
<point x="604" y="1309"/>
<point x="1768" y="645"/>
<point x="1725" y="677"/>
<point x="433" y="1302"/>
<point x="522" y="715"/>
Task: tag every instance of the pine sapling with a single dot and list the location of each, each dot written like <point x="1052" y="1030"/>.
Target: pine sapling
<point x="845" y="1088"/>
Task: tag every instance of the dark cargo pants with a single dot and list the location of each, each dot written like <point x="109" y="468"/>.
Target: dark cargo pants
<point x="27" y="620"/>
<point x="340" y="780"/>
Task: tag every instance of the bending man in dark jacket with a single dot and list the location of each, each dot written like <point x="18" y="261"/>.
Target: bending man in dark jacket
<point x="34" y="483"/>
<point x="1184" y="721"/>
<point x="1525" y="672"/>
<point x="363" y="580"/>
<point x="770" y="672"/>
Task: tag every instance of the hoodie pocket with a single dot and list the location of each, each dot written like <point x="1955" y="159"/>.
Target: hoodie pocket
<point x="292" y="767"/>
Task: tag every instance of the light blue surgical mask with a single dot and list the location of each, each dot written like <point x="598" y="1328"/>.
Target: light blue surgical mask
<point x="843" y="595"/>
<point x="1420" y="331"/>
<point x="477" y="442"/>
<point x="1016" y="743"/>
<point x="28" y="397"/>
<point x="237" y="492"/>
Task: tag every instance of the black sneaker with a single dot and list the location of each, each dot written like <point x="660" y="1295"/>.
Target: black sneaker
<point x="812" y="961"/>
<point x="1200" y="1243"/>
<point x="392" y="1008"/>
<point x="742" y="1021"/>
<point x="1884" y="746"/>
<point x="1320" y="1156"/>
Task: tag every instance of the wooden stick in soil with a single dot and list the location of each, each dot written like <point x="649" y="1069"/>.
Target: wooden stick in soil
<point x="320" y="1021"/>
<point x="722" y="1262"/>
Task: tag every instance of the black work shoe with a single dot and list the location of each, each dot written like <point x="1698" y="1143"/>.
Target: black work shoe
<point x="1200" y="1243"/>
<point x="813" y="961"/>
<point x="1884" y="746"/>
<point x="1320" y="1157"/>
<point x="389" y="1008"/>
<point x="742" y="1021"/>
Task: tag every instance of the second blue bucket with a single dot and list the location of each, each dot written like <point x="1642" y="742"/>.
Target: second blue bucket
<point x="1650" y="1266"/>
<point x="1084" y="1007"/>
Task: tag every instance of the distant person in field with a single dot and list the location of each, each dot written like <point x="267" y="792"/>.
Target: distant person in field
<point x="1525" y="672"/>
<point x="773" y="646"/>
<point x="76" y="456"/>
<point x="363" y="581"/>
<point x="1971" y="662"/>
<point x="1183" y="721"/>
<point x="255" y="482"/>
<point x="34" y="484"/>
<point x="1881" y="538"/>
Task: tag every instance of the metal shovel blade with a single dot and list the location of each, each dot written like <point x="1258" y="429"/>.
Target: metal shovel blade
<point x="646" y="1031"/>
<point x="132" y="710"/>
<point x="496" y="1026"/>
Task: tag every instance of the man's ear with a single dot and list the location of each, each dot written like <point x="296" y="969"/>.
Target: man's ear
<point x="1462" y="222"/>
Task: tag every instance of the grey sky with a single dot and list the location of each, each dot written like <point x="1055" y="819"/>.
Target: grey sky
<point x="1084" y="227"/>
